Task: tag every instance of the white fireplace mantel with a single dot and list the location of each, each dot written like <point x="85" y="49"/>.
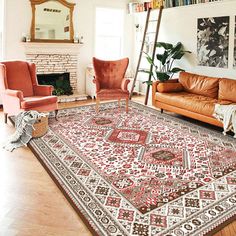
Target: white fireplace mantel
<point x="51" y="48"/>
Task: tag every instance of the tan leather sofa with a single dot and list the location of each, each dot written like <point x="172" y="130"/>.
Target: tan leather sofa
<point x="194" y="96"/>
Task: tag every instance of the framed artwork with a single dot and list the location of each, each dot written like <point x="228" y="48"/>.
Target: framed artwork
<point x="213" y="41"/>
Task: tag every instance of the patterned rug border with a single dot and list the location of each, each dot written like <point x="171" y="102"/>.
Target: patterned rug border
<point x="82" y="214"/>
<point x="92" y="228"/>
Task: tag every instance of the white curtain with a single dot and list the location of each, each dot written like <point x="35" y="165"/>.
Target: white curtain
<point x="1" y="28"/>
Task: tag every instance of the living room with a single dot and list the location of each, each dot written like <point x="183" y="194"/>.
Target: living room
<point x="108" y="130"/>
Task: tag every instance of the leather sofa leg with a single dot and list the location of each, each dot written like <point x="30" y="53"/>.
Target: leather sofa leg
<point x="56" y="112"/>
<point x="5" y="117"/>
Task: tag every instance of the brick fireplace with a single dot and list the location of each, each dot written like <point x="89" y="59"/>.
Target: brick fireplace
<point x="56" y="63"/>
<point x="54" y="58"/>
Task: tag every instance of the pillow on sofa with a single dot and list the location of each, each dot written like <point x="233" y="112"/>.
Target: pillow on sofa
<point x="169" y="87"/>
<point x="227" y="90"/>
<point x="198" y="84"/>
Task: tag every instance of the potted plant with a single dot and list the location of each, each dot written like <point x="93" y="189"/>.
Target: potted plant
<point x="163" y="69"/>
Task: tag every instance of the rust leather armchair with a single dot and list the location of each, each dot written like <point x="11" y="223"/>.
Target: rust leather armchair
<point x="20" y="91"/>
<point x="110" y="80"/>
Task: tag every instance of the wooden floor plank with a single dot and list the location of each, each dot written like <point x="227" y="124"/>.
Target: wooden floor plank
<point x="30" y="202"/>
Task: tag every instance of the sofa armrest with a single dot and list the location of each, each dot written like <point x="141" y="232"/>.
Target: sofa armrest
<point x="124" y="84"/>
<point x="169" y="87"/>
<point x="43" y="90"/>
<point x="96" y="82"/>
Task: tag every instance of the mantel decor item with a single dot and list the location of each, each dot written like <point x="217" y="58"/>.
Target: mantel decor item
<point x="164" y="70"/>
<point x="52" y="21"/>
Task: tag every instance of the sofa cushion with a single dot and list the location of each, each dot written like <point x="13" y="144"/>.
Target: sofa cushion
<point x="201" y="85"/>
<point x="189" y="101"/>
<point x="227" y="90"/>
<point x="169" y="87"/>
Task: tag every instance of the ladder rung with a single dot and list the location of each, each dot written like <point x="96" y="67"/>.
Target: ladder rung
<point x="153" y="21"/>
<point x="143" y="69"/>
<point x="151" y="32"/>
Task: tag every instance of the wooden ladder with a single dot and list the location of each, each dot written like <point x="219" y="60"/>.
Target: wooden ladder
<point x="158" y="21"/>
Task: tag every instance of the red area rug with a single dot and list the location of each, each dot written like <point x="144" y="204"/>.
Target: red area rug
<point x="141" y="173"/>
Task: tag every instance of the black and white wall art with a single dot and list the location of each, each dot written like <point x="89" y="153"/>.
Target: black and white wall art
<point x="213" y="41"/>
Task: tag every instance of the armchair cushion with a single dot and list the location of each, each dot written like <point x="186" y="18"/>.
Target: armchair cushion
<point x="110" y="74"/>
<point x="18" y="77"/>
<point x="36" y="101"/>
<point x="112" y="94"/>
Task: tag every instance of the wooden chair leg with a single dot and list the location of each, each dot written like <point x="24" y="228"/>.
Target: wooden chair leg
<point x="5" y="117"/>
<point x="162" y="110"/>
<point x="97" y="105"/>
<point x="56" y="112"/>
<point x="127" y="105"/>
<point x="119" y="103"/>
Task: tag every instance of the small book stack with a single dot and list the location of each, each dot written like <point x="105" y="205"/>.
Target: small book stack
<point x="140" y="7"/>
<point x="177" y="3"/>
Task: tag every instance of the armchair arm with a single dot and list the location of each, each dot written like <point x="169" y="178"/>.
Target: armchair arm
<point x="3" y="82"/>
<point x="11" y="100"/>
<point x="124" y="84"/>
<point x="96" y="82"/>
<point x="14" y="93"/>
<point x="43" y="90"/>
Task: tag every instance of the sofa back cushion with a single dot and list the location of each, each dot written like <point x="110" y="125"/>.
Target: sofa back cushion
<point x="227" y="90"/>
<point x="198" y="84"/>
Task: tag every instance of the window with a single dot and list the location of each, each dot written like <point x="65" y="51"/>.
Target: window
<point x="1" y="29"/>
<point x="109" y="33"/>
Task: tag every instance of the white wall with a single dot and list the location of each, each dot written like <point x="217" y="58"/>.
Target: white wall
<point x="18" y="21"/>
<point x="180" y="24"/>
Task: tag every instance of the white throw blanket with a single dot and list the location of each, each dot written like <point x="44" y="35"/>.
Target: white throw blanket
<point x="24" y="122"/>
<point x="227" y="115"/>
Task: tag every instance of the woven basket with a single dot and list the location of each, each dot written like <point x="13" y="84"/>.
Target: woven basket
<point x="40" y="127"/>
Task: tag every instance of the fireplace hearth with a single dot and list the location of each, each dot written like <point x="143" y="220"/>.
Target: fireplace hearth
<point x="60" y="82"/>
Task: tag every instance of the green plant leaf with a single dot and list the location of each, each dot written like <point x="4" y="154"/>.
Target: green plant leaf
<point x="149" y="59"/>
<point x="162" y="76"/>
<point x="178" y="55"/>
<point x="159" y="57"/>
<point x="176" y="69"/>
<point x="178" y="47"/>
<point x="167" y="46"/>
<point x="148" y="82"/>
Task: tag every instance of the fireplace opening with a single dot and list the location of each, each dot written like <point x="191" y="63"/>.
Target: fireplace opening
<point x="60" y="82"/>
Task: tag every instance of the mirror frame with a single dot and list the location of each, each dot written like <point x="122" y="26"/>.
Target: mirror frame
<point x="63" y="2"/>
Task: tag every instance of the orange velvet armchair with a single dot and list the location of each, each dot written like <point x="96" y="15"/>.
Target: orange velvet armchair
<point x="110" y="81"/>
<point x="20" y="90"/>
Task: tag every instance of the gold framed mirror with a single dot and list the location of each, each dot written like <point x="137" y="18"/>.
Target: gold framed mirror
<point x="52" y="21"/>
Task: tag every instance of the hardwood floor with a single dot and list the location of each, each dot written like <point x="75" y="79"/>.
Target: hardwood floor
<point x="30" y="202"/>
